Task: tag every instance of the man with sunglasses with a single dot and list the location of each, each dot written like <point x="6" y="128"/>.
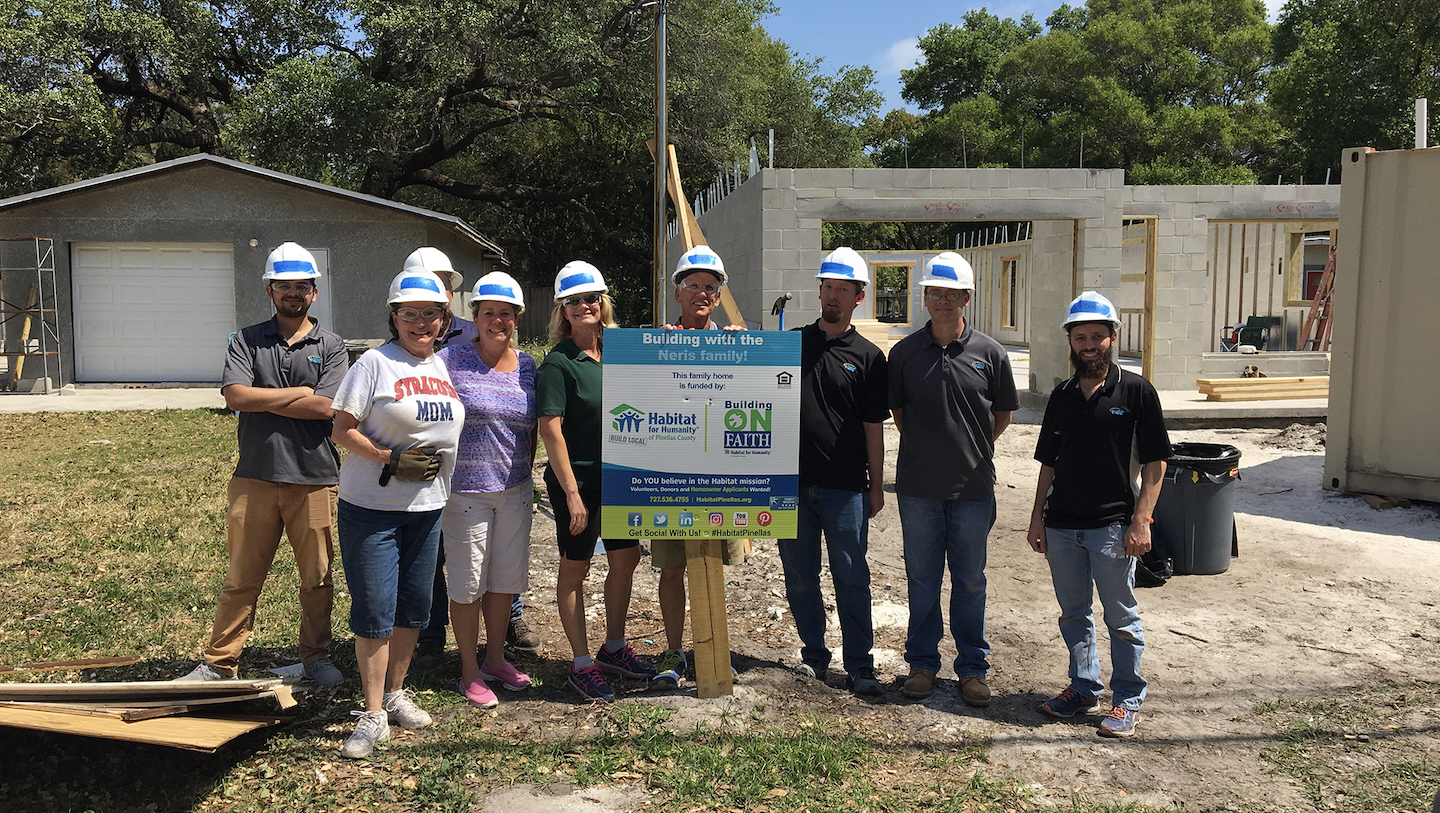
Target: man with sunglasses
<point x="951" y="393"/>
<point x="698" y="278"/>
<point x="280" y="376"/>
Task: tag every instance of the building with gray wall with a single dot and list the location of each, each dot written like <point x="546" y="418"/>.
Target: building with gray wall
<point x="155" y="267"/>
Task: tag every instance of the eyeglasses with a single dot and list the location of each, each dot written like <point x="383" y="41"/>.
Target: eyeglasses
<point x="587" y="299"/>
<point x="697" y="288"/>
<point x="943" y="294"/>
<point x="302" y="287"/>
<point x="411" y="314"/>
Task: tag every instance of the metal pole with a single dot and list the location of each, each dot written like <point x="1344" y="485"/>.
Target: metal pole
<point x="1422" y="123"/>
<point x="772" y="147"/>
<point x="662" y="144"/>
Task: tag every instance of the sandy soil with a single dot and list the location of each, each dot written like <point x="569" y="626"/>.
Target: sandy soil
<point x="1329" y="596"/>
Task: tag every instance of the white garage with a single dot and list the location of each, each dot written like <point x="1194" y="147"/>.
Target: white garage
<point x="147" y="312"/>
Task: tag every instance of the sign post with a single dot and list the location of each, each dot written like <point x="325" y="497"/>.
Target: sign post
<point x="701" y="444"/>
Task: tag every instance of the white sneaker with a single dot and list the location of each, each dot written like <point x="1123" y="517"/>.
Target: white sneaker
<point x="371" y="729"/>
<point x="203" y="673"/>
<point x="402" y="709"/>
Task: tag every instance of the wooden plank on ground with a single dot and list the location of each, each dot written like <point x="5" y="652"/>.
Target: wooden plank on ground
<point x="134" y="690"/>
<point x="1264" y="389"/>
<point x="204" y="734"/>
<point x="83" y="663"/>
<point x="129" y="715"/>
<point x="1267" y="396"/>
<point x="709" y="630"/>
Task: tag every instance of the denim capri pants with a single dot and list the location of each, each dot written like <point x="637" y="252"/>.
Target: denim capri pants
<point x="389" y="561"/>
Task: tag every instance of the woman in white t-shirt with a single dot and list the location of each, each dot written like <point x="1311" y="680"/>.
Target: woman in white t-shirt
<point x="398" y="416"/>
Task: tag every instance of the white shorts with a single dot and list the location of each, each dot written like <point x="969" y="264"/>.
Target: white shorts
<point x="487" y="542"/>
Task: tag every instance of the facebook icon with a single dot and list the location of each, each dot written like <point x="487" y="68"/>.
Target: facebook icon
<point x="635" y="520"/>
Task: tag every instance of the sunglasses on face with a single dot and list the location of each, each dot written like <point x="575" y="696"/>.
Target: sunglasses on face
<point x="585" y="299"/>
<point x="411" y="314"/>
<point x="283" y="287"/>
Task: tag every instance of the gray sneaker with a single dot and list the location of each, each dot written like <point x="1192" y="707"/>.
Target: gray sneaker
<point x="204" y="672"/>
<point x="323" y="672"/>
<point x="370" y="730"/>
<point x="400" y="705"/>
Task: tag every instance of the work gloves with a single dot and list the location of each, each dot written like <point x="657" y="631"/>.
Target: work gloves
<point x="418" y="465"/>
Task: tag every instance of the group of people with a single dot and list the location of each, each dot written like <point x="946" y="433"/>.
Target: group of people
<point x="435" y="493"/>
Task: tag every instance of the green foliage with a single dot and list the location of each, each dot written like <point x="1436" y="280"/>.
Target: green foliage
<point x="1171" y="90"/>
<point x="1349" y="74"/>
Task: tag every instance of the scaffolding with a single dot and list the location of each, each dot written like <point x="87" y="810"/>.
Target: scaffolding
<point x="29" y="314"/>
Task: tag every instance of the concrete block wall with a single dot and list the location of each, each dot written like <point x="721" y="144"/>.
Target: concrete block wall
<point x="734" y="229"/>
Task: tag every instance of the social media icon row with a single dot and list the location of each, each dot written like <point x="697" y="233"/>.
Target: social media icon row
<point x="685" y="519"/>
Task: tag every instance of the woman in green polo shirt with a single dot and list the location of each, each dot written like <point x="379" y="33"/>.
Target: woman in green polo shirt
<point x="567" y="389"/>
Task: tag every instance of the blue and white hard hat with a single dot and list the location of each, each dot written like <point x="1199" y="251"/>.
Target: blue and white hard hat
<point x="500" y="287"/>
<point x="429" y="258"/>
<point x="948" y="270"/>
<point x="578" y="277"/>
<point x="845" y="263"/>
<point x="699" y="258"/>
<point x="418" y="286"/>
<point x="1091" y="307"/>
<point x="290" y="261"/>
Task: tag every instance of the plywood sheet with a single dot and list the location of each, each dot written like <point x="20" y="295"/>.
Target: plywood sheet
<point x="204" y="734"/>
<point x="133" y="690"/>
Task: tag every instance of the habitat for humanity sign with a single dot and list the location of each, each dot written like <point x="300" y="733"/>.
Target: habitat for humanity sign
<point x="701" y="434"/>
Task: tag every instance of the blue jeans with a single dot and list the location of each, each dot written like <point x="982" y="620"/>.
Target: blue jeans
<point x="843" y="517"/>
<point x="937" y="532"/>
<point x="440" y="607"/>
<point x="389" y="560"/>
<point x="1078" y="557"/>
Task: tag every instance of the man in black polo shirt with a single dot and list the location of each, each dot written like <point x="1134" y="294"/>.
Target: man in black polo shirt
<point x="1102" y="453"/>
<point x="280" y="375"/>
<point x="842" y="454"/>
<point x="952" y="393"/>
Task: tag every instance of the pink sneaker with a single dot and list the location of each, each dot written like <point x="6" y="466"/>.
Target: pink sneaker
<point x="479" y="694"/>
<point x="508" y="676"/>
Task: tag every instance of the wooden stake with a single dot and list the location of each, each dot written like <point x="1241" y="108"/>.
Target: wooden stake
<point x="709" y="628"/>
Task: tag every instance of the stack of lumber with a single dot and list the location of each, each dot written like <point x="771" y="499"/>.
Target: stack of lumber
<point x="1264" y="389"/>
<point x="187" y="715"/>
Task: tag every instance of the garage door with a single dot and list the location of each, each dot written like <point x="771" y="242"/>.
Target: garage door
<point x="149" y="312"/>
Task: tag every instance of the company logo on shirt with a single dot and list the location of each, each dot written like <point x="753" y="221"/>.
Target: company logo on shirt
<point x="850" y="368"/>
<point x="315" y="359"/>
<point x="979" y="365"/>
<point x="1117" y="410"/>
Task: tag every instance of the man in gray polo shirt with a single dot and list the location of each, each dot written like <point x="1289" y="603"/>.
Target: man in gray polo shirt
<point x="281" y="375"/>
<point x="951" y="392"/>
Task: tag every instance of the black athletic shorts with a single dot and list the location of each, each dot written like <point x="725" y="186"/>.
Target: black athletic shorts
<point x="581" y="547"/>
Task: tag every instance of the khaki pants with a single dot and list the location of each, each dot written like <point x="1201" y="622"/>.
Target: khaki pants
<point x="259" y="511"/>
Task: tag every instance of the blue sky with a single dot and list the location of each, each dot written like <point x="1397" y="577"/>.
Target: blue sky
<point x="883" y="34"/>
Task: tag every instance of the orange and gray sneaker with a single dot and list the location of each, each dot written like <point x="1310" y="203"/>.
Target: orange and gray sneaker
<point x="1120" y="723"/>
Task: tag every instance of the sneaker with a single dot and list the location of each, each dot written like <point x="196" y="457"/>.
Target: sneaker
<point x="479" y="694"/>
<point x="1120" y="723"/>
<point x="204" y="672"/>
<point x="519" y="636"/>
<point x="323" y="672"/>
<point x="370" y="730"/>
<point x="974" y="690"/>
<point x="1069" y="703"/>
<point x="429" y="656"/>
<point x="814" y="670"/>
<point x="624" y="662"/>
<point x="919" y="684"/>
<point x="400" y="705"/>
<point x="670" y="669"/>
<point x="862" y="682"/>
<point x="591" y="684"/>
<point x="508" y="676"/>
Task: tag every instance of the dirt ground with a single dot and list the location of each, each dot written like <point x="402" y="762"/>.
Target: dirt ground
<point x="1327" y="598"/>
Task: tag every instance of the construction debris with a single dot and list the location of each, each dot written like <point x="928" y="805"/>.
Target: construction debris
<point x="1264" y="389"/>
<point x="159" y="712"/>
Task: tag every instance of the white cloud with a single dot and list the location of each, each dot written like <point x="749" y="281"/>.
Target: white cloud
<point x="1272" y="9"/>
<point x="903" y="54"/>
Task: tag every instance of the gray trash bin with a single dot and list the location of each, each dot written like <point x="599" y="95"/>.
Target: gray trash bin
<point x="1195" y="516"/>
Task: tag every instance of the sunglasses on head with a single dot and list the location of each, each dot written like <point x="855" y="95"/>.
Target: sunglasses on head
<point x="587" y="299"/>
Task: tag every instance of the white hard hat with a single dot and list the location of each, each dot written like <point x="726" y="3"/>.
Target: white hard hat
<point x="500" y="287"/>
<point x="578" y="277"/>
<point x="948" y="270"/>
<point x="1091" y="307"/>
<point x="844" y="263"/>
<point x="418" y="286"/>
<point x="290" y="261"/>
<point x="699" y="258"/>
<point x="428" y="258"/>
